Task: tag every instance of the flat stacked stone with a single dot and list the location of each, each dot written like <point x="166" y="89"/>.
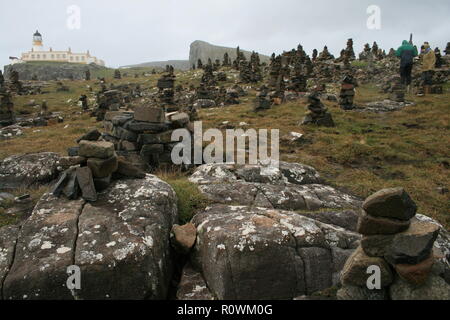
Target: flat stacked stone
<point x="395" y="241"/>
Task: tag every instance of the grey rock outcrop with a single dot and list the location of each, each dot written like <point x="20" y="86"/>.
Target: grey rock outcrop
<point x="121" y="244"/>
<point x="286" y="186"/>
<point x="28" y="169"/>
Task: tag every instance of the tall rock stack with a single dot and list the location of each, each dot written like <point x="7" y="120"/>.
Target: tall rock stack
<point x="399" y="246"/>
<point x="325" y="55"/>
<point x="318" y="113"/>
<point x="208" y="76"/>
<point x="274" y="72"/>
<point x="347" y="93"/>
<point x="146" y="132"/>
<point x="438" y="55"/>
<point x="349" y="50"/>
<point x="6" y="108"/>
<point x="262" y="99"/>
<point x="365" y="55"/>
<point x="226" y="60"/>
<point x="166" y="85"/>
<point x="447" y="49"/>
<point x="398" y="91"/>
<point x="14" y="85"/>
<point x="117" y="74"/>
<point x="110" y="100"/>
<point x="2" y="79"/>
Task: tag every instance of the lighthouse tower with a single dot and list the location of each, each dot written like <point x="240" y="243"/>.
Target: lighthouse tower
<point x="37" y="42"/>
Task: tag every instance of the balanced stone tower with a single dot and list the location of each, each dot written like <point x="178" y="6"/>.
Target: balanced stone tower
<point x="397" y="249"/>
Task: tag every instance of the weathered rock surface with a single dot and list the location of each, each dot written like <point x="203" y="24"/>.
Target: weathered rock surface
<point x="288" y="186"/>
<point x="348" y="292"/>
<point x="192" y="286"/>
<point x="239" y="250"/>
<point x="29" y="169"/>
<point x="120" y="242"/>
<point x="369" y="225"/>
<point x="8" y="239"/>
<point x="435" y="288"/>
<point x="183" y="237"/>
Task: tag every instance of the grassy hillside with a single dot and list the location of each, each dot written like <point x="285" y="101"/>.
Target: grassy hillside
<point x="365" y="152"/>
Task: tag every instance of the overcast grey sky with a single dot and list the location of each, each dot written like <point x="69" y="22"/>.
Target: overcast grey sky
<point x="135" y="31"/>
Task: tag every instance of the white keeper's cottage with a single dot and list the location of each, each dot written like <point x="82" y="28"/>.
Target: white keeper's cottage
<point x="38" y="53"/>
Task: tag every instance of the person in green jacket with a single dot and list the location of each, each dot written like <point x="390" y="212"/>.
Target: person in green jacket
<point x="406" y="53"/>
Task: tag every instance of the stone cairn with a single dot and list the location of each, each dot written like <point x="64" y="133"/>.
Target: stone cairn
<point x="117" y="74"/>
<point x="110" y="100"/>
<point x="262" y="99"/>
<point x="325" y="55"/>
<point x="397" y="91"/>
<point x="366" y="54"/>
<point x="14" y="85"/>
<point x="87" y="75"/>
<point x="166" y="85"/>
<point x="438" y="55"/>
<point x="146" y="132"/>
<point x="318" y="114"/>
<point x="84" y="102"/>
<point x="349" y="52"/>
<point x="447" y="49"/>
<point x="226" y="60"/>
<point x="397" y="243"/>
<point x="347" y="93"/>
<point x="6" y="105"/>
<point x="92" y="166"/>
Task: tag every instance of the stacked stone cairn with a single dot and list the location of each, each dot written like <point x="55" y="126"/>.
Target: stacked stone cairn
<point x="438" y="55"/>
<point x="366" y="54"/>
<point x="400" y="245"/>
<point x="166" y="93"/>
<point x="110" y="100"/>
<point x="92" y="166"/>
<point x="117" y="74"/>
<point x="349" y="52"/>
<point x="14" y="85"/>
<point x="318" y="114"/>
<point x="226" y="60"/>
<point x="263" y="101"/>
<point x="398" y="90"/>
<point x="447" y="49"/>
<point x="146" y="132"/>
<point x="347" y="93"/>
<point x="325" y="55"/>
<point x="6" y="105"/>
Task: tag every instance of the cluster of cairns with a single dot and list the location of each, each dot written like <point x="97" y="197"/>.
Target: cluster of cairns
<point x="318" y="114"/>
<point x="398" y="245"/>
<point x="145" y="132"/>
<point x="250" y="72"/>
<point x="93" y="164"/>
<point x="6" y="105"/>
<point x="347" y="93"/>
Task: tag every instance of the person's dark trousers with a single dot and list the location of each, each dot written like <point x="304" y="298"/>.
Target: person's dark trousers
<point x="405" y="74"/>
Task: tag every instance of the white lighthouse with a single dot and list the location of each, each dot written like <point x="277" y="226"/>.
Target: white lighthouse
<point x="37" y="42"/>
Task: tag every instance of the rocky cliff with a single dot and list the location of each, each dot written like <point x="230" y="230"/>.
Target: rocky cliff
<point x="45" y="71"/>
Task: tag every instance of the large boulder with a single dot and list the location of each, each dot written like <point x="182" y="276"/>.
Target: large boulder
<point x="28" y="169"/>
<point x="282" y="185"/>
<point x="120" y="242"/>
<point x="259" y="253"/>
